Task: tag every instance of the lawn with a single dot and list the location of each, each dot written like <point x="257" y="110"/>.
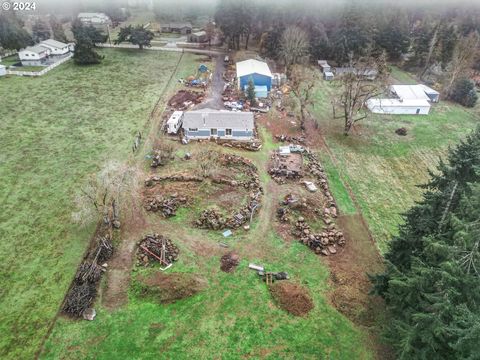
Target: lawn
<point x="234" y="317"/>
<point x="55" y="130"/>
<point x="382" y="168"/>
<point x="9" y="60"/>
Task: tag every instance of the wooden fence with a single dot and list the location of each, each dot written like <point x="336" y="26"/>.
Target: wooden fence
<point x="41" y="72"/>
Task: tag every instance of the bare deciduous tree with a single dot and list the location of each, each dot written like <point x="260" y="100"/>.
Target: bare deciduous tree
<point x="302" y="81"/>
<point x="462" y="59"/>
<point x="357" y="88"/>
<point x="207" y="163"/>
<point x="294" y="47"/>
<point x="103" y="193"/>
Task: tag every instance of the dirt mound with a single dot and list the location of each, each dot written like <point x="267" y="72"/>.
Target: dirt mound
<point x="184" y="99"/>
<point x="292" y="298"/>
<point x="229" y="262"/>
<point x="168" y="288"/>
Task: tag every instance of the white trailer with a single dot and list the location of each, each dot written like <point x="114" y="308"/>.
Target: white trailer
<point x="175" y="122"/>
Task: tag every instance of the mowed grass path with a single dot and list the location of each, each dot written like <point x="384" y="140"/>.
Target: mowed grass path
<point x="382" y="168"/>
<point x="54" y="130"/>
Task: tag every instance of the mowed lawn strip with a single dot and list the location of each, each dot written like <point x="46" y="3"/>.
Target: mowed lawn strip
<point x="382" y="168"/>
<point x="55" y="130"/>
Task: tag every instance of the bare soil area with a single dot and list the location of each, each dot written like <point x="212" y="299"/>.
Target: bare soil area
<point x="292" y="297"/>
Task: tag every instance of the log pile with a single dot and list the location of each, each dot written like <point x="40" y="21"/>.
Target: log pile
<point x="167" y="206"/>
<point x="245" y="145"/>
<point x="83" y="291"/>
<point x="317" y="171"/>
<point x="211" y="219"/>
<point x="280" y="170"/>
<point x="282" y="214"/>
<point x="324" y="243"/>
<point x="155" y="179"/>
<point x="150" y="249"/>
<point x="291" y="139"/>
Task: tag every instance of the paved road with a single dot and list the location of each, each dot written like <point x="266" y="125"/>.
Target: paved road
<point x="214" y="96"/>
<point x="165" y="48"/>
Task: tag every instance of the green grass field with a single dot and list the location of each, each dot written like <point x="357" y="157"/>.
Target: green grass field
<point x="55" y="130"/>
<point x="383" y="168"/>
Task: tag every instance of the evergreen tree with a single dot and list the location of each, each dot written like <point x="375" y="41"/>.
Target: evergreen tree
<point x="85" y="39"/>
<point x="393" y="35"/>
<point x="464" y="92"/>
<point x="432" y="279"/>
<point x="12" y="34"/>
<point x="251" y="92"/>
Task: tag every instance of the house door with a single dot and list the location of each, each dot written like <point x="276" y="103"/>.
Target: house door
<point x="213" y="132"/>
<point x="418" y="111"/>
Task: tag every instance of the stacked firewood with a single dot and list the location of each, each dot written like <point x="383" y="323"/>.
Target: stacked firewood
<point x="291" y="139"/>
<point x="150" y="250"/>
<point x="324" y="243"/>
<point x="211" y="219"/>
<point x="167" y="206"/>
<point x="317" y="170"/>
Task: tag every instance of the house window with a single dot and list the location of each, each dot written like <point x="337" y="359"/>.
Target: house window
<point x="213" y="132"/>
<point x="418" y="111"/>
<point x="228" y="132"/>
<point x="193" y="129"/>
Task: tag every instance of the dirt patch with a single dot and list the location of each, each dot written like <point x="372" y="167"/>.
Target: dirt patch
<point x="292" y="298"/>
<point x="229" y="262"/>
<point x="168" y="288"/>
<point x="183" y="99"/>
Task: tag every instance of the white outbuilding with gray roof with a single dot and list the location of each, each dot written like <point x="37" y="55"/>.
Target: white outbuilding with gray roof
<point x="219" y="124"/>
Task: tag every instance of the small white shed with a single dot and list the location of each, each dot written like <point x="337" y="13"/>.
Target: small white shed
<point x="3" y="70"/>
<point x="399" y="107"/>
<point x="328" y="75"/>
<point x="175" y="121"/>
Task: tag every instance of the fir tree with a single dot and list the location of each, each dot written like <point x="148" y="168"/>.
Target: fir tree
<point x="251" y="92"/>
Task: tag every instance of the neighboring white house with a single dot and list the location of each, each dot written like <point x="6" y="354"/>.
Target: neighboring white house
<point x="399" y="106"/>
<point x="174" y="123"/>
<point x="218" y="124"/>
<point x="33" y="55"/>
<point x="94" y="18"/>
<point x="55" y="47"/>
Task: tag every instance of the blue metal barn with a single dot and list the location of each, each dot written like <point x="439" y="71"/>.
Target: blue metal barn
<point x="256" y="70"/>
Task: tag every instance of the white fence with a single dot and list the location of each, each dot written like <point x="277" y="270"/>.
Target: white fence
<point x="41" y="72"/>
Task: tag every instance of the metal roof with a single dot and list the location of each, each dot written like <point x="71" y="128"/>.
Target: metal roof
<point x="200" y="33"/>
<point x="220" y="119"/>
<point x="429" y="90"/>
<point x="398" y="103"/>
<point x="53" y="43"/>
<point x="37" y="49"/>
<point x="253" y="66"/>
<point x="409" y="92"/>
<point x="175" y="117"/>
<point x="178" y="25"/>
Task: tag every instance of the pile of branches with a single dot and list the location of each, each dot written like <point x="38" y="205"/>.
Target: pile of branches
<point x="324" y="243"/>
<point x="83" y="291"/>
<point x="150" y="250"/>
<point x="167" y="206"/>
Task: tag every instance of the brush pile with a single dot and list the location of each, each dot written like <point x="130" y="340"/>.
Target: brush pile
<point x="84" y="288"/>
<point x="150" y="250"/>
<point x="167" y="206"/>
<point x="211" y="219"/>
<point x="324" y="243"/>
<point x="317" y="170"/>
<point x="185" y="99"/>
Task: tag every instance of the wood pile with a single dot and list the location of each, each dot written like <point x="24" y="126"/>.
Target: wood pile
<point x="245" y="145"/>
<point x="211" y="219"/>
<point x="280" y="170"/>
<point x="325" y="243"/>
<point x="317" y="170"/>
<point x="154" y="179"/>
<point x="150" y="249"/>
<point x="229" y="262"/>
<point x="83" y="291"/>
<point x="401" y="131"/>
<point x="282" y="214"/>
<point x="167" y="206"/>
<point x="291" y="139"/>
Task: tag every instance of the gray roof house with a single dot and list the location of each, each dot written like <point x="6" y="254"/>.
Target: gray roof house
<point x="218" y="124"/>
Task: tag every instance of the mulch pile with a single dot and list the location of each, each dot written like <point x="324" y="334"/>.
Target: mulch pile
<point x="154" y="243"/>
<point x="229" y="262"/>
<point x="184" y="99"/>
<point x="292" y="298"/>
<point x="168" y="206"/>
<point x="83" y="291"/>
<point x="168" y="288"/>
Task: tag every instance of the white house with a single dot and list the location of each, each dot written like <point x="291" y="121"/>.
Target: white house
<point x="55" y="47"/>
<point x="399" y="106"/>
<point x="3" y="70"/>
<point x="94" y="18"/>
<point x="33" y="55"/>
<point x="218" y="124"/>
